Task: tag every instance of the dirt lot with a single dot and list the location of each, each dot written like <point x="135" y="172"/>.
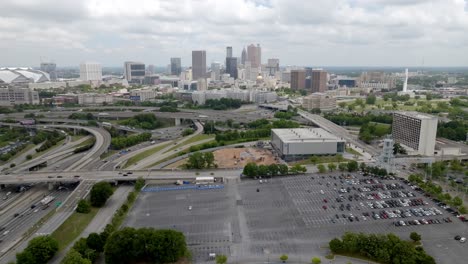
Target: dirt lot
<point x="237" y="157"/>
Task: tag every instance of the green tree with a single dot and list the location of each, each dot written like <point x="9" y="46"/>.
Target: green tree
<point x="336" y="246"/>
<point x="83" y="207"/>
<point x="352" y="166"/>
<point x="316" y="260"/>
<point x="94" y="241"/>
<point x="283" y="169"/>
<point x="415" y="237"/>
<point x="273" y="169"/>
<point x="263" y="170"/>
<point x="342" y="104"/>
<point x="29" y="156"/>
<point x="331" y="166"/>
<point x="100" y="192"/>
<point x="284" y="257"/>
<point x="39" y="250"/>
<point x="342" y="166"/>
<point x="297" y="168"/>
<point x="140" y="183"/>
<point x="187" y="132"/>
<point x="457" y="201"/>
<point x="221" y="259"/>
<point x="321" y="168"/>
<point x="371" y="98"/>
<point x="209" y="159"/>
<point x="250" y="169"/>
<point x="196" y="161"/>
<point x="73" y="257"/>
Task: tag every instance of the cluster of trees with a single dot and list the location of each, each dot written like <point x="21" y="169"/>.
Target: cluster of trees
<point x="188" y="131"/>
<point x="437" y="191"/>
<point x="287" y="115"/>
<point x="50" y="139"/>
<point x="251" y="169"/>
<point x="83" y="207"/>
<point x="370" y="131"/>
<point x="168" y="109"/>
<point x="371" y="99"/>
<point x="394" y="97"/>
<point x="99" y="194"/>
<point x="462" y="101"/>
<point x="398" y="149"/>
<point x="222" y="104"/>
<point x="10" y="154"/>
<point x="454" y="130"/>
<point x="242" y="136"/>
<point x="82" y="116"/>
<point x="87" y="249"/>
<point x="143" y="121"/>
<point x="200" y="160"/>
<point x="124" y="142"/>
<point x="381" y="248"/>
<point x="373" y="170"/>
<point x="85" y="147"/>
<point x="39" y="250"/>
<point x="206" y="145"/>
<point x="349" y="119"/>
<point x="145" y="245"/>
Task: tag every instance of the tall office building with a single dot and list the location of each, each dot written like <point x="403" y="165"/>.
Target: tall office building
<point x="198" y="64"/>
<point x="231" y="67"/>
<point x="134" y="72"/>
<point x="273" y="66"/>
<point x="308" y="78"/>
<point x="176" y="66"/>
<point x="51" y="69"/>
<point x="416" y="131"/>
<point x="297" y="79"/>
<point x="90" y="71"/>
<point x="228" y="52"/>
<point x="216" y="70"/>
<point x="243" y="56"/>
<point x="319" y="81"/>
<point x="254" y="55"/>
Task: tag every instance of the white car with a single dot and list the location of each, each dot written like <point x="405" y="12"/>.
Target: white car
<point x="463" y="240"/>
<point x="190" y="208"/>
<point x="322" y="192"/>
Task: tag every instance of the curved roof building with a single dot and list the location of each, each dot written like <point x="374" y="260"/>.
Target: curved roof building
<point x="22" y="75"/>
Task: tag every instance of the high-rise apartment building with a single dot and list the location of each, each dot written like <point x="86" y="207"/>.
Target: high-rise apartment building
<point x="134" y="72"/>
<point x="319" y="81"/>
<point x="50" y="68"/>
<point x="228" y="52"/>
<point x="243" y="56"/>
<point x="198" y="64"/>
<point x="215" y="70"/>
<point x="254" y="55"/>
<point x="297" y="79"/>
<point x="415" y="131"/>
<point x="90" y="71"/>
<point x="231" y="67"/>
<point x="176" y="66"/>
<point x="12" y="96"/>
<point x="273" y="66"/>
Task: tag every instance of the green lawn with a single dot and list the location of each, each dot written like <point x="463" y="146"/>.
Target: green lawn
<point x="352" y="151"/>
<point x="75" y="138"/>
<point x="196" y="138"/>
<point x="321" y="159"/>
<point x="144" y="154"/>
<point x="108" y="154"/>
<point x="73" y="227"/>
<point x="86" y="142"/>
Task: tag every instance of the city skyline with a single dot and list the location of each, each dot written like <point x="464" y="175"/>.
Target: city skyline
<point x="329" y="33"/>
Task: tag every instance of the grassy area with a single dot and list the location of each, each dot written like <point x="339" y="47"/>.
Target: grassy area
<point x="86" y="142"/>
<point x="28" y="147"/>
<point x="73" y="227"/>
<point x="108" y="154"/>
<point x="144" y="154"/>
<point x="37" y="154"/>
<point x="75" y="138"/>
<point x="400" y="105"/>
<point x="352" y="151"/>
<point x="321" y="159"/>
<point x="196" y="138"/>
<point x="163" y="160"/>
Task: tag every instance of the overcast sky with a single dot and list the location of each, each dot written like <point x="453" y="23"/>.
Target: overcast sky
<point x="298" y="32"/>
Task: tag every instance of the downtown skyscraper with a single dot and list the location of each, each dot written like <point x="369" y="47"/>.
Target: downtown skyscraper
<point x="198" y="64"/>
<point x="176" y="66"/>
<point x="254" y="55"/>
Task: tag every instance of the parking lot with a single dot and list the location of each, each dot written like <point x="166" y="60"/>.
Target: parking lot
<point x="298" y="216"/>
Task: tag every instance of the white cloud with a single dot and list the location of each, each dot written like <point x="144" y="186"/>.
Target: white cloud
<point x="319" y="32"/>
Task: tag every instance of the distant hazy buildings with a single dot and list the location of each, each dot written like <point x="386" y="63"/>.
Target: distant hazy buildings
<point x="319" y="81"/>
<point x="298" y="79"/>
<point x="94" y="99"/>
<point x="415" y="131"/>
<point x="176" y="66"/>
<point x="243" y="56"/>
<point x="272" y="66"/>
<point x="141" y="95"/>
<point x="377" y="80"/>
<point x="134" y="72"/>
<point x="50" y="68"/>
<point x="229" y="52"/>
<point x="215" y="71"/>
<point x="321" y="101"/>
<point x="90" y="71"/>
<point x="198" y="64"/>
<point x="12" y="96"/>
<point x="254" y="55"/>
<point x="231" y="67"/>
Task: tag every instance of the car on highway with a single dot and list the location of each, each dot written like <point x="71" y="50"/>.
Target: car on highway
<point x="457" y="237"/>
<point x="76" y="176"/>
<point x="462" y="239"/>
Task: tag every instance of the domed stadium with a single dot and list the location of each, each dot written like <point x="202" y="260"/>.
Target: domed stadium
<point x="22" y="75"/>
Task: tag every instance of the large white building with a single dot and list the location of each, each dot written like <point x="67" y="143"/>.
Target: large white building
<point x="12" y="96"/>
<point x="142" y="95"/>
<point x="90" y="71"/>
<point x="415" y="131"/>
<point x="22" y="76"/>
<point x="134" y="72"/>
<point x="298" y="143"/>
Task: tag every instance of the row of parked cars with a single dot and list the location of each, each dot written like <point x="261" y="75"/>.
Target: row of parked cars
<point x="422" y="222"/>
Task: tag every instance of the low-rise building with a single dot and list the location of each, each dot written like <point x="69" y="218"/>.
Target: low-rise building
<point x="298" y="143"/>
<point x="94" y="99"/>
<point x="320" y="101"/>
<point x="13" y="96"/>
<point x="144" y="94"/>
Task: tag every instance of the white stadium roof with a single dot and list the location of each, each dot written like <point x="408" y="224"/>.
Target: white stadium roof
<point x="19" y="75"/>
